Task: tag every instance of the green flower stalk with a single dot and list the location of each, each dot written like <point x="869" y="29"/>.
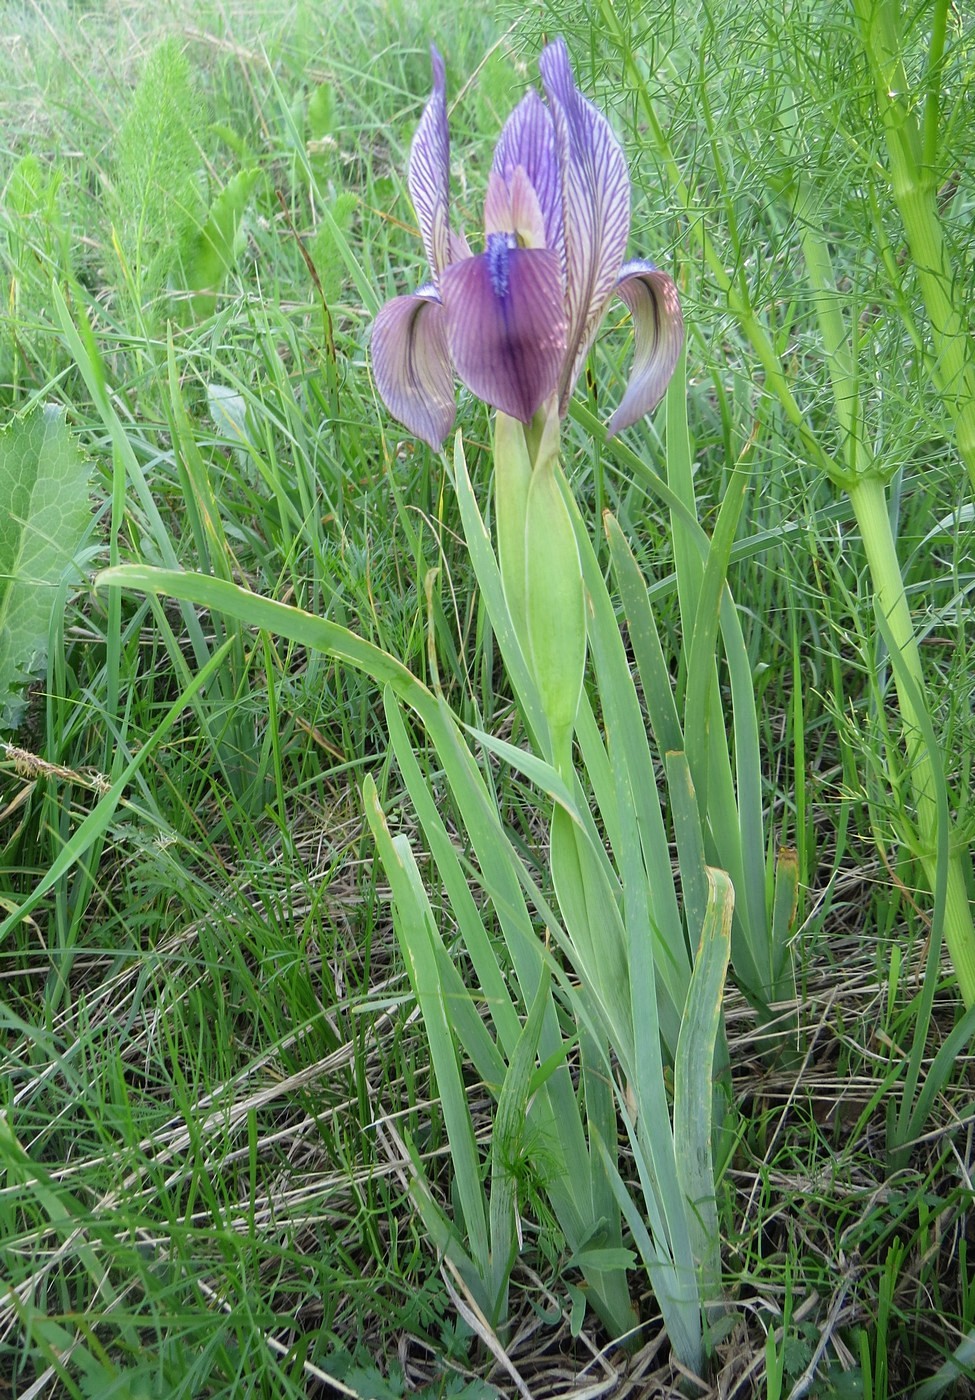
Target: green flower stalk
<point x="914" y="183"/>
<point x="863" y="479"/>
<point x="555" y="605"/>
<point x="869" y="500"/>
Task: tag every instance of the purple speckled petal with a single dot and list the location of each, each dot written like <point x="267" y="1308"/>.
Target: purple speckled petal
<point x="412" y="367"/>
<point x="506" y="325"/>
<point x="595" y="206"/>
<point x="528" y="140"/>
<point x="429" y="173"/>
<point x="658" y="333"/>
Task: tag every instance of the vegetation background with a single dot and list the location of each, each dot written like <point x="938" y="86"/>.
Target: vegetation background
<point x="209" y="1043"/>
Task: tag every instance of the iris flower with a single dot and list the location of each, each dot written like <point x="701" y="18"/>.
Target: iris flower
<point x="516" y="322"/>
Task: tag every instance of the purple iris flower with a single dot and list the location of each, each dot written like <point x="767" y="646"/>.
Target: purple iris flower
<point x="516" y="322"/>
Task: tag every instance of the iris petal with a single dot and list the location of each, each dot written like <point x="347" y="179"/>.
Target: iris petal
<point x="595" y="203"/>
<point x="429" y="173"/>
<point x="658" y="332"/>
<point x="459" y="246"/>
<point x="505" y="324"/>
<point x="412" y="367"/>
<point x="528" y="140"/>
<point x="512" y="207"/>
<point x="527" y="218"/>
<point x="497" y="206"/>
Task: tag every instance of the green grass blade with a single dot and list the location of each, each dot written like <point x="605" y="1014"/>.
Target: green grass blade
<point x="418" y="940"/>
<point x="701" y="671"/>
<point x="592" y="921"/>
<point x="490" y="977"/>
<point x="631" y="766"/>
<point x="95" y="825"/>
<point x="508" y="1139"/>
<point x="655" y="677"/>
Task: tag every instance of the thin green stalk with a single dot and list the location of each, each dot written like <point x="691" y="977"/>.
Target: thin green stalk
<point x="868" y="496"/>
<point x="914" y="184"/>
<point x="869" y="501"/>
<point x="838" y="355"/>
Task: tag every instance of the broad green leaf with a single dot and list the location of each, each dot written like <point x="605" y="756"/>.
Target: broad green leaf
<point x="689" y="558"/>
<point x="694" y="1081"/>
<point x="554" y="604"/>
<point x="541" y="774"/>
<point x="736" y="815"/>
<point x="44" y="486"/>
<point x="690" y="840"/>
<point x="595" y="927"/>
<point x="228" y="409"/>
<point x="650" y="882"/>
<point x="605" y="1258"/>
<point x="511" y="645"/>
<point x="676" y="1293"/>
<point x="601" y="1254"/>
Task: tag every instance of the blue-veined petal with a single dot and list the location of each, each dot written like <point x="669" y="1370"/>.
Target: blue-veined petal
<point x="429" y="173"/>
<point x="595" y="206"/>
<point x="528" y="140"/>
<point x="412" y="367"/>
<point x="658" y="334"/>
<point x="506" y="325"/>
